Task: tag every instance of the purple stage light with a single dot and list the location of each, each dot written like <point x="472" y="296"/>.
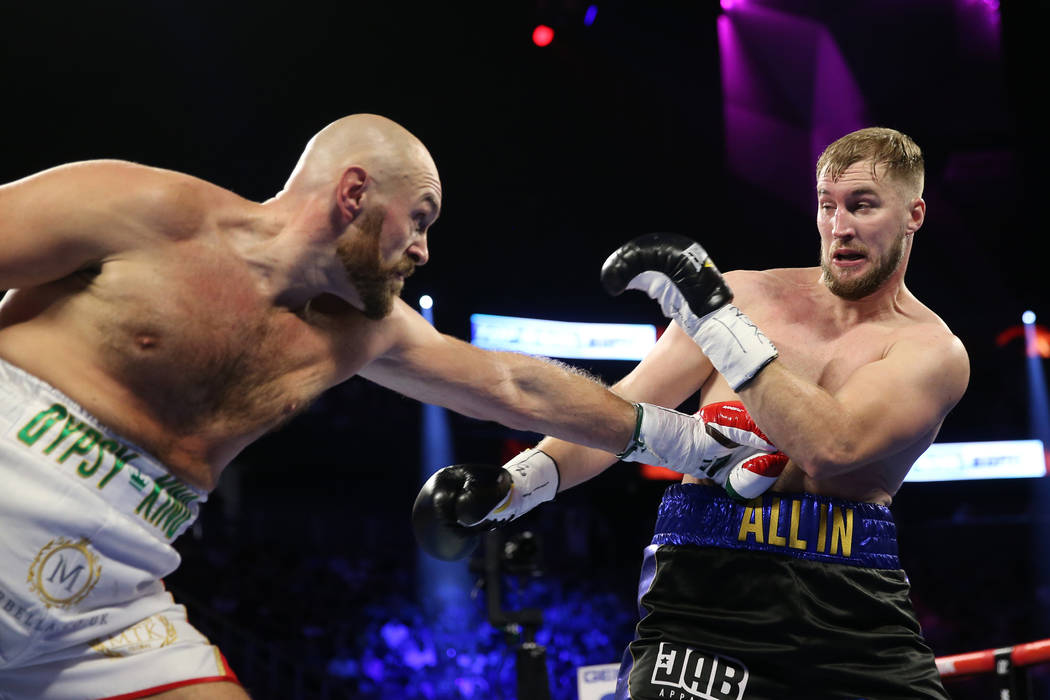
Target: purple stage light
<point x="787" y="93"/>
<point x="978" y="22"/>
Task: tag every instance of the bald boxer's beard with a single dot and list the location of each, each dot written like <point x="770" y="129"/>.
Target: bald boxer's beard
<point x="377" y="284"/>
<point x="860" y="287"/>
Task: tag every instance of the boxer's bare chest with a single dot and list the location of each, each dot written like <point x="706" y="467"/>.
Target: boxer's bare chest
<point x="192" y="336"/>
<point x="822" y="353"/>
<point x="816" y="346"/>
<point x="826" y="350"/>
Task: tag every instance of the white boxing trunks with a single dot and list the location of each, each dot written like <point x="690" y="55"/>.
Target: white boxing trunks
<point x="86" y="525"/>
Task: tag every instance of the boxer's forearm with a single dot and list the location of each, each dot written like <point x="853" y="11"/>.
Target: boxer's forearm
<point x="884" y="407"/>
<point x="803" y="420"/>
<point x="576" y="463"/>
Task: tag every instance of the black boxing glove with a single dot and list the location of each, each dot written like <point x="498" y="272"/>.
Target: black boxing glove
<point x="460" y="502"/>
<point x="678" y="273"/>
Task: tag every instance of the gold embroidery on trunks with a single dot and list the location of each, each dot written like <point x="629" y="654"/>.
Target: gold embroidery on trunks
<point x="64" y="572"/>
<point x="155" y="632"/>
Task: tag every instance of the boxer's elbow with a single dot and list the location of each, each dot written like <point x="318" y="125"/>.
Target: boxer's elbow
<point x="829" y="457"/>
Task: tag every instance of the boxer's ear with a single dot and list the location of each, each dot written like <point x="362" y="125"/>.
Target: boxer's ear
<point x="350" y="192"/>
<point x="916" y="215"/>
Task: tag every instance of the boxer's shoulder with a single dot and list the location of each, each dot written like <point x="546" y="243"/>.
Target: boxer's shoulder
<point x="157" y="200"/>
<point x="927" y="335"/>
<point x="751" y="286"/>
<point x="179" y="206"/>
<point x="776" y="277"/>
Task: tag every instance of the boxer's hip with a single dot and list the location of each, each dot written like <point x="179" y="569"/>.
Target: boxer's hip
<point x="87" y="520"/>
<point x="799" y="525"/>
<point x="788" y="596"/>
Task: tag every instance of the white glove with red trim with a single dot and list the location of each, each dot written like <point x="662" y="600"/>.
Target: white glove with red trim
<point x="730" y="449"/>
<point x="749" y="472"/>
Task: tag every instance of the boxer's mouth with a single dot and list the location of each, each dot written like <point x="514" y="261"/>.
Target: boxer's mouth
<point x="848" y="255"/>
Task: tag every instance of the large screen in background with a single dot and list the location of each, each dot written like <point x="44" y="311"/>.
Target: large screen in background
<point x="996" y="459"/>
<point x="947" y="461"/>
<point x="952" y="461"/>
<point x="562" y="339"/>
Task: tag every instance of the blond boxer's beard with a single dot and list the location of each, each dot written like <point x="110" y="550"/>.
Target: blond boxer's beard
<point x="855" y="289"/>
<point x="377" y="284"/>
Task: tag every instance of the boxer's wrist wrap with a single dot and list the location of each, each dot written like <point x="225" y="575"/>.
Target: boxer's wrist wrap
<point x="534" y="480"/>
<point x="663" y="437"/>
<point x="633" y="444"/>
<point x="737" y="348"/>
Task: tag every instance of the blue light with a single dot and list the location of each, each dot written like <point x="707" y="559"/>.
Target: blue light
<point x="592" y="12"/>
<point x="443" y="586"/>
<point x="400" y="648"/>
<point x="394" y="633"/>
<point x="1028" y="318"/>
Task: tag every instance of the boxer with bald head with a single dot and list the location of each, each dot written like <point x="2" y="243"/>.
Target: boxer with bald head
<point x="156" y="325"/>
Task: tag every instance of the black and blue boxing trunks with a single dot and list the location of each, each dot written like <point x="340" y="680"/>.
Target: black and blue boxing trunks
<point x="787" y="596"/>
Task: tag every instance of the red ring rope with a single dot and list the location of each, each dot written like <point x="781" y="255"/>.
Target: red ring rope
<point x="984" y="661"/>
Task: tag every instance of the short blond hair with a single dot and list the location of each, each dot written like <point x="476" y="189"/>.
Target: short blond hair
<point x="899" y="155"/>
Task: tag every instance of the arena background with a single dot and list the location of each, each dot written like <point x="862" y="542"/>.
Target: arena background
<point x="658" y="116"/>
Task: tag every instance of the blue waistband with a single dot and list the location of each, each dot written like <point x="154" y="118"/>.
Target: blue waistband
<point x="801" y="525"/>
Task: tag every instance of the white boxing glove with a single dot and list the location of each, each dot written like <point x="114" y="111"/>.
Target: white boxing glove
<point x="749" y="472"/>
<point x="721" y="442"/>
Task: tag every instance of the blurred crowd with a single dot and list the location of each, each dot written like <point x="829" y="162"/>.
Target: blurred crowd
<point x="321" y="595"/>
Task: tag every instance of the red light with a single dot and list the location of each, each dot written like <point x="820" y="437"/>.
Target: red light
<point x="648" y="471"/>
<point x="1038" y="346"/>
<point x="542" y="35"/>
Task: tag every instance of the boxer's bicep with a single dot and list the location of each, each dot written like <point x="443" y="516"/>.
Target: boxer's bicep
<point x="412" y="357"/>
<point x="433" y="367"/>
<point x="896" y="401"/>
<point x="669" y="374"/>
<point x="67" y="218"/>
